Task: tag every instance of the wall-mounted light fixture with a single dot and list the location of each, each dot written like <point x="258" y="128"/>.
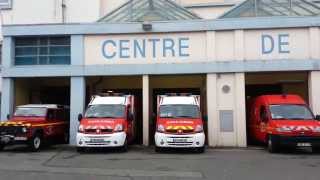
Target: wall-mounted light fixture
<point x="147" y="26"/>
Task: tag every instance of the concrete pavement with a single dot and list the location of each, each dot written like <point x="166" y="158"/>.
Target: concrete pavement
<point x="63" y="162"/>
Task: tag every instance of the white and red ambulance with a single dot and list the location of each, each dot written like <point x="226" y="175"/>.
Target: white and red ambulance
<point x="109" y="121"/>
<point x="179" y="123"/>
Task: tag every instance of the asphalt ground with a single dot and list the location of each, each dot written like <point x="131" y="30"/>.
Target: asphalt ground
<point x="64" y="163"/>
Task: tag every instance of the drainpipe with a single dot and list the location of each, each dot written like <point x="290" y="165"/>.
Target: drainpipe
<point x="151" y="4"/>
<point x="63" y="11"/>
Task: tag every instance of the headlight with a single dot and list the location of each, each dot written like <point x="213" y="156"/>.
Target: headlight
<point x="316" y="129"/>
<point x="199" y="128"/>
<point x="81" y="129"/>
<point x="284" y="129"/>
<point x="24" y="130"/>
<point x="118" y="128"/>
<point x="160" y="128"/>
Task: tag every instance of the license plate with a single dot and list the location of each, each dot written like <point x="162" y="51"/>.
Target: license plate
<point x="179" y="140"/>
<point x="304" y="144"/>
<point x="20" y="138"/>
<point x="96" y="140"/>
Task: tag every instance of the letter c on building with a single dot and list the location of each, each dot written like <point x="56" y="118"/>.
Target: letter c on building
<point x="105" y="50"/>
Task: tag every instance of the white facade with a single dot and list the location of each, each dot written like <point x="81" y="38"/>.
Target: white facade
<point x="217" y="57"/>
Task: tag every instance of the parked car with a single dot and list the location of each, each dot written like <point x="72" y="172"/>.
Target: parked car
<point x="35" y="125"/>
<point x="283" y="120"/>
<point x="179" y="123"/>
<point x="109" y="121"/>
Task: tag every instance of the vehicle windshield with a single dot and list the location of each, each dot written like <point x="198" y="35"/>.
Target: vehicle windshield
<point x="31" y="112"/>
<point x="177" y="111"/>
<point x="105" y="111"/>
<point x="290" y="112"/>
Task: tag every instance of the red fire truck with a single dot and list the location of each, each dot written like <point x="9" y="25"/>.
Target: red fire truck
<point x="36" y="125"/>
<point x="109" y="121"/>
<point x="179" y="123"/>
<point x="283" y="120"/>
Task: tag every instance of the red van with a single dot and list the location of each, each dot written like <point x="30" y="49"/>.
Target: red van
<point x="109" y="121"/>
<point x="283" y="120"/>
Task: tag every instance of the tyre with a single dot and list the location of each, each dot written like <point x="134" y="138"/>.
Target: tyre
<point x="66" y="138"/>
<point x="35" y="142"/>
<point x="158" y="149"/>
<point x="80" y="149"/>
<point x="316" y="149"/>
<point x="272" y="145"/>
<point x="2" y="147"/>
<point x="201" y="149"/>
<point x="124" y="148"/>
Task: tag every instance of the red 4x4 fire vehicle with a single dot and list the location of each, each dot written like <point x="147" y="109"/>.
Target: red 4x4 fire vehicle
<point x="35" y="125"/>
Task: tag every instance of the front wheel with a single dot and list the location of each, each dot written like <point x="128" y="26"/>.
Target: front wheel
<point x="272" y="145"/>
<point x="66" y="138"/>
<point x="124" y="148"/>
<point x="35" y="142"/>
<point x="316" y="149"/>
<point x="201" y="149"/>
<point x="2" y="147"/>
<point x="81" y="149"/>
<point x="158" y="149"/>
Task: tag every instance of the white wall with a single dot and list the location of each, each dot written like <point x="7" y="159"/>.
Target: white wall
<point x="50" y="11"/>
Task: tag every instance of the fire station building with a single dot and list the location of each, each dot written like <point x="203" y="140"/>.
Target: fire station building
<point x="152" y="47"/>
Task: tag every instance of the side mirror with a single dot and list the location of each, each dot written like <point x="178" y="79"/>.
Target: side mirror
<point x="130" y="117"/>
<point x="205" y="118"/>
<point x="318" y="117"/>
<point x="265" y="119"/>
<point x="8" y="116"/>
<point x="80" y="117"/>
<point x="154" y="116"/>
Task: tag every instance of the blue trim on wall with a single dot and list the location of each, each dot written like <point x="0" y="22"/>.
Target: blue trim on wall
<point x="77" y="105"/>
<point x="7" y="52"/>
<point x="163" y="27"/>
<point x="77" y="50"/>
<point x="161" y="69"/>
<point x="7" y="98"/>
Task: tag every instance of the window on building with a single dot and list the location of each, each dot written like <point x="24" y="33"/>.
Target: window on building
<point x="42" y="50"/>
<point x="5" y="4"/>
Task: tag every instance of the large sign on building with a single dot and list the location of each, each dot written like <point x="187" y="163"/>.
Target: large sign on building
<point x="195" y="47"/>
<point x="150" y="48"/>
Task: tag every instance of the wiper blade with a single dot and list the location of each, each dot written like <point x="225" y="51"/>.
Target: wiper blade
<point x="184" y="116"/>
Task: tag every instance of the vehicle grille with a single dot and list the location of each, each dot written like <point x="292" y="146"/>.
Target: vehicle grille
<point x="90" y="131"/>
<point x="106" y="130"/>
<point x="11" y="130"/>
<point x="177" y="131"/>
<point x="94" y="131"/>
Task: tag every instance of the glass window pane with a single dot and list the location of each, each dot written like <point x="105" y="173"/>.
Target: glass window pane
<point x="59" y="60"/>
<point x="26" y="61"/>
<point x="59" y="50"/>
<point x="26" y="41"/>
<point x="44" y="41"/>
<point x="59" y="41"/>
<point x="44" y="51"/>
<point x="43" y="60"/>
<point x="26" y="51"/>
